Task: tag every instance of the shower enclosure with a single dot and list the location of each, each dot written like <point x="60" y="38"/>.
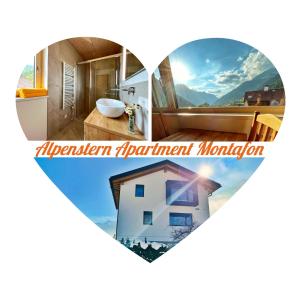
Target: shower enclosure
<point x="101" y="81"/>
<point x="102" y="77"/>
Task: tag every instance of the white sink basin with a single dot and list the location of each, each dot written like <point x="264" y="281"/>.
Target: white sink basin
<point x="110" y="107"/>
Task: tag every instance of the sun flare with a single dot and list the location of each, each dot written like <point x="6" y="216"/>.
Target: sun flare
<point x="180" y="72"/>
<point x="206" y="170"/>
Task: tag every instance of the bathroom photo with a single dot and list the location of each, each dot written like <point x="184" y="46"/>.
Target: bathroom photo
<point x="83" y="88"/>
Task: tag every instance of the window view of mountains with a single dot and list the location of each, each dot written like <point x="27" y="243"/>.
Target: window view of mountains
<point x="187" y="97"/>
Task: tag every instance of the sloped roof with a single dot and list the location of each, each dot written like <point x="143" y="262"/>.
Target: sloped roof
<point x="116" y="180"/>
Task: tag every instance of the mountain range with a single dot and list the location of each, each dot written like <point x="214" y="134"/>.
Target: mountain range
<point x="187" y="97"/>
<point x="190" y="97"/>
<point x="269" y="77"/>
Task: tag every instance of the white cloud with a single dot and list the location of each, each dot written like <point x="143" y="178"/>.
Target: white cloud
<point x="255" y="64"/>
<point x="221" y="167"/>
<point x="207" y="60"/>
<point x="227" y="80"/>
<point x="230" y="77"/>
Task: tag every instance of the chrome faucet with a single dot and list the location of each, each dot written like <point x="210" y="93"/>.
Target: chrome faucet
<point x="130" y="90"/>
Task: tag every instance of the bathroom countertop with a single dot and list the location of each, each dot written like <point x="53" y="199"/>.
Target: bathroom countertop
<point x="117" y="126"/>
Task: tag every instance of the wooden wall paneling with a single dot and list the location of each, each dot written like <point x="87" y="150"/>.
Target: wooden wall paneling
<point x="164" y="125"/>
<point x="90" y="48"/>
<point x="215" y="122"/>
<point x="158" y="129"/>
<point x="167" y="81"/>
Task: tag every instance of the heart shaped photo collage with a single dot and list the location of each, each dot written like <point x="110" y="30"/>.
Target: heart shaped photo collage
<point x="209" y="90"/>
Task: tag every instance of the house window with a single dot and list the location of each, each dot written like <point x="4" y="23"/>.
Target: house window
<point x="181" y="193"/>
<point x="147" y="219"/>
<point x="139" y="190"/>
<point x="181" y="219"/>
<point x="27" y="78"/>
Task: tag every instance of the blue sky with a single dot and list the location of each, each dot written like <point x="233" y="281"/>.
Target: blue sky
<point x="85" y="180"/>
<point x="216" y="65"/>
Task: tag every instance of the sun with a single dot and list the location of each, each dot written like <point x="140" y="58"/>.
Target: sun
<point x="206" y="170"/>
<point x="180" y="72"/>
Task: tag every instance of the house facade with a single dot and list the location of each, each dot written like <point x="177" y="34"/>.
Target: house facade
<point x="156" y="200"/>
<point x="265" y="97"/>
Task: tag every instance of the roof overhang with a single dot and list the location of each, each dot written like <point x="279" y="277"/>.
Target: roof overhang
<point x="117" y="180"/>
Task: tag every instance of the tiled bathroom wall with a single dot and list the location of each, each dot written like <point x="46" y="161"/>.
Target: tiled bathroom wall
<point x="58" y="53"/>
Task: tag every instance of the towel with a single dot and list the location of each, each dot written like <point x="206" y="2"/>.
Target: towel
<point x="30" y="93"/>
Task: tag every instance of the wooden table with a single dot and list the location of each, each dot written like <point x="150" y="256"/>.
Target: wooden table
<point x="187" y="135"/>
<point x="100" y="128"/>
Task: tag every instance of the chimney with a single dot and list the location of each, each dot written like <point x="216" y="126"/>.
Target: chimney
<point x="266" y="88"/>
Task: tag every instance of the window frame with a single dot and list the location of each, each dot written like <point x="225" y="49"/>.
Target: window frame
<point x="40" y="76"/>
<point x="136" y="190"/>
<point x="41" y="60"/>
<point x="185" y="218"/>
<point x="275" y="110"/>
<point x="171" y="184"/>
<point x="148" y="213"/>
<point x="172" y="103"/>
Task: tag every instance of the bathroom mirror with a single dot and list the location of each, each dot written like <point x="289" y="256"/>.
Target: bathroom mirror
<point x="133" y="65"/>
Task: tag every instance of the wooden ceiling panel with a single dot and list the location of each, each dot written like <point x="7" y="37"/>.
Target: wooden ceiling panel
<point x="90" y="48"/>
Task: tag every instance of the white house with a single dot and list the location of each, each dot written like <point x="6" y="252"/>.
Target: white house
<point x="157" y="199"/>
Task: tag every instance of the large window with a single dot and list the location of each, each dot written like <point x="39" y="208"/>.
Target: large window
<point x="27" y="78"/>
<point x="217" y="73"/>
<point x="147" y="218"/>
<point x="181" y="219"/>
<point x="181" y="193"/>
<point x="139" y="190"/>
